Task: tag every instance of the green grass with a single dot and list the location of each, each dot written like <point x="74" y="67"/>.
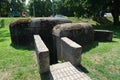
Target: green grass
<point x="101" y="59"/>
<point x="16" y="63"/>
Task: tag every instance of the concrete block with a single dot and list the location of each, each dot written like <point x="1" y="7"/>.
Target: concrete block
<point x="71" y="51"/>
<point x="42" y="54"/>
<point x="103" y="35"/>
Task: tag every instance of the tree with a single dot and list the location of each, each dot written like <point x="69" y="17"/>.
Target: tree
<point x="40" y="8"/>
<point x="9" y="6"/>
<point x="76" y="7"/>
<point x="4" y="8"/>
<point x="18" y="5"/>
<point x="115" y="10"/>
<point x="62" y="8"/>
<point x="113" y="6"/>
<point x="0" y="7"/>
<point x="88" y="8"/>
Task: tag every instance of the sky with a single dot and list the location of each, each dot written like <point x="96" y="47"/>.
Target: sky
<point x="26" y="2"/>
<point x="51" y="0"/>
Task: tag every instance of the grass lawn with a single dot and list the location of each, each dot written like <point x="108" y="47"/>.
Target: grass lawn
<point x="16" y="63"/>
<point x="100" y="59"/>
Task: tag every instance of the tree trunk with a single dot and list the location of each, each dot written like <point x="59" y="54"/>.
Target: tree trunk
<point x="0" y="8"/>
<point x="115" y="12"/>
<point x="115" y="18"/>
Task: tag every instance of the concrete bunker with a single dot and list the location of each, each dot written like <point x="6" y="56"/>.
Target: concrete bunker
<point x="51" y="30"/>
<point x="22" y="32"/>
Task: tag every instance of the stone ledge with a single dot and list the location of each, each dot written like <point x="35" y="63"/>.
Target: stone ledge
<point x="41" y="47"/>
<point x="42" y="54"/>
<point x="103" y="35"/>
<point x="70" y="51"/>
<point x="70" y="42"/>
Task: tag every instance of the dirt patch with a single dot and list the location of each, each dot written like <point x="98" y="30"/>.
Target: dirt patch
<point x="4" y="75"/>
<point x="97" y="59"/>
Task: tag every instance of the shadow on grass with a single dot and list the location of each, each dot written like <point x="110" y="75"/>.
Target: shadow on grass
<point x="2" y="40"/>
<point x="4" y="33"/>
<point x="117" y="33"/>
<point x="22" y="47"/>
<point x="2" y="23"/>
<point x="106" y="24"/>
<point x="102" y="20"/>
<point x="103" y="24"/>
<point x="108" y="41"/>
<point x="90" y="46"/>
<point x="82" y="68"/>
<point x="115" y="29"/>
<point x="46" y="76"/>
<point x="96" y="43"/>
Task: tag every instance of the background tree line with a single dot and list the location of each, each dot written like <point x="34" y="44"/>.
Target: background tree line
<point x="9" y="6"/>
<point x="77" y="8"/>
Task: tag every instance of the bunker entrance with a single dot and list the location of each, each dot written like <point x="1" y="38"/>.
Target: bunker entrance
<point x="48" y="40"/>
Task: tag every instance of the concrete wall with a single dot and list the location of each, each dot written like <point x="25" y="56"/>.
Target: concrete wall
<point x="81" y="33"/>
<point x="70" y="51"/>
<point x="22" y="30"/>
<point x="42" y="54"/>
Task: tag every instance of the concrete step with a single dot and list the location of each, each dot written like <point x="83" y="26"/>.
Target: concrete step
<point x="66" y="71"/>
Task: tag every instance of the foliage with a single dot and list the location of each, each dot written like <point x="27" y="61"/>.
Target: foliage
<point x="40" y="8"/>
<point x="76" y="7"/>
<point x="15" y="3"/>
<point x="92" y="8"/>
<point x="4" y="8"/>
<point x="97" y="6"/>
<point x="8" y="8"/>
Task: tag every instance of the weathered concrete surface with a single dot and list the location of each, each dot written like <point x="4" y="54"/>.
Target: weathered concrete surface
<point x="42" y="54"/>
<point x="66" y="71"/>
<point x="22" y="32"/>
<point x="81" y="33"/>
<point x="70" y="51"/>
<point x="103" y="35"/>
